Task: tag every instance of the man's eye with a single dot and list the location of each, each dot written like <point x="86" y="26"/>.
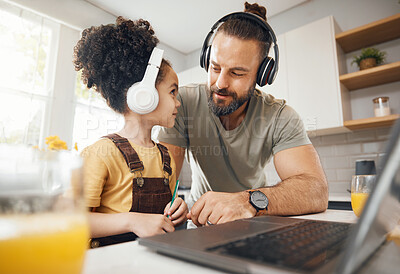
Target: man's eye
<point x="215" y="69"/>
<point x="173" y="91"/>
<point x="237" y="74"/>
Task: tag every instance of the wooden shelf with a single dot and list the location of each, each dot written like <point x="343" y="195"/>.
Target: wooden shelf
<point x="371" y="77"/>
<point x="371" y="34"/>
<point x="372" y="122"/>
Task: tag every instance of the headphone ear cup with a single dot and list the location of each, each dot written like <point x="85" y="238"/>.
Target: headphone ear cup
<point x="202" y="57"/>
<point x="142" y="98"/>
<point x="206" y="58"/>
<point x="265" y="71"/>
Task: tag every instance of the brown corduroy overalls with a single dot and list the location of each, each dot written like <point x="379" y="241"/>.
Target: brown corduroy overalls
<point x="149" y="195"/>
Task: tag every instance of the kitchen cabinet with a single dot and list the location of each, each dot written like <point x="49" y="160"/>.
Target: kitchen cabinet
<point x="279" y="88"/>
<point x="314" y="78"/>
<point x="308" y="77"/>
<point x="364" y="36"/>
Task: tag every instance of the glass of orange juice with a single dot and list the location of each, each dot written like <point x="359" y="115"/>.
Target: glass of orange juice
<point x="43" y="224"/>
<point x="361" y="186"/>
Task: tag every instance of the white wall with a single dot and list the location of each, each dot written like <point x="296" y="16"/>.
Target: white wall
<point x="348" y="13"/>
<point x="175" y="57"/>
<point x="193" y="58"/>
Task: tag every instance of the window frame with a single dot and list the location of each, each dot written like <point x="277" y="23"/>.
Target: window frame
<point x="51" y="60"/>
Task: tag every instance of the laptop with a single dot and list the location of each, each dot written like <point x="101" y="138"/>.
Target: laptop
<point x="290" y="245"/>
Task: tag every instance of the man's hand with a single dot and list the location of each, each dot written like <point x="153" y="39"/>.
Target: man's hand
<point x="221" y="207"/>
<point x="177" y="212"/>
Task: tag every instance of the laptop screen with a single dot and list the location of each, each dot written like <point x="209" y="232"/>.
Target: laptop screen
<point x="382" y="210"/>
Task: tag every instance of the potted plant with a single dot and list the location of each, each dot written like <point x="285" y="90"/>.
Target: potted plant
<point x="369" y="57"/>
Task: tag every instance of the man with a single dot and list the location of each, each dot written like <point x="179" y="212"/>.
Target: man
<point x="230" y="130"/>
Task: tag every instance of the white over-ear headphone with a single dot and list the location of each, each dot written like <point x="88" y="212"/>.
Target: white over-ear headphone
<point x="142" y="97"/>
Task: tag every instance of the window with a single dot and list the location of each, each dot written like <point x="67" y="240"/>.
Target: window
<point x="37" y="84"/>
<point x="93" y="118"/>
<point x="27" y="51"/>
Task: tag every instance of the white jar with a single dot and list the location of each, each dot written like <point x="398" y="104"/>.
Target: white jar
<point x="381" y="106"/>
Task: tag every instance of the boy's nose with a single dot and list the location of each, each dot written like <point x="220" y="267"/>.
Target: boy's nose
<point x="177" y="103"/>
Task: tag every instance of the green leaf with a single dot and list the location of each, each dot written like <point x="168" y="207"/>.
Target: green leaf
<point x="378" y="55"/>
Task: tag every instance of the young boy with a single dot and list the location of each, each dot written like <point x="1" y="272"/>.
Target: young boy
<point x="126" y="173"/>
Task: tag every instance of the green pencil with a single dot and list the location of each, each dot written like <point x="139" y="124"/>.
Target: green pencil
<point x="173" y="195"/>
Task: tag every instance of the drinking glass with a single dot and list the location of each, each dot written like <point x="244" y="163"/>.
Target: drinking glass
<point x="43" y="222"/>
<point x="361" y="186"/>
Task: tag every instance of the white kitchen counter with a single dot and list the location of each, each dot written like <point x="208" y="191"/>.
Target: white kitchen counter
<point x="132" y="258"/>
<point x="340" y="197"/>
<point x="345" y="216"/>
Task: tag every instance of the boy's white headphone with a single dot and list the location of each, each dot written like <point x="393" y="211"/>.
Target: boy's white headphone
<point x="142" y="97"/>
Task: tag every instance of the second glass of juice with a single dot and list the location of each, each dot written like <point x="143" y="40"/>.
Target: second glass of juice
<point x="361" y="186"/>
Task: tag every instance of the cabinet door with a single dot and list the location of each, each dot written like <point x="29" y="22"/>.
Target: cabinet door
<point x="279" y="88"/>
<point x="193" y="75"/>
<point x="312" y="74"/>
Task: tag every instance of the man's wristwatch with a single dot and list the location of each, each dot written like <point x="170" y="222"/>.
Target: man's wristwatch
<point x="259" y="201"/>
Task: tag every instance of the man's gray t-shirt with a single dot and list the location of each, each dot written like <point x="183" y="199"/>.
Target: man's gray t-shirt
<point x="232" y="160"/>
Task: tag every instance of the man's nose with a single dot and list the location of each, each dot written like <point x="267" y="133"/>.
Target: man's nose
<point x="222" y="81"/>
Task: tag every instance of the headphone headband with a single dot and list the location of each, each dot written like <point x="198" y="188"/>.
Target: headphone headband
<point x="153" y="66"/>
<point x="247" y="15"/>
<point x="268" y="68"/>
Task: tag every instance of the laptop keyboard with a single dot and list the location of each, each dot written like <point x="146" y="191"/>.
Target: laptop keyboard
<point x="303" y="246"/>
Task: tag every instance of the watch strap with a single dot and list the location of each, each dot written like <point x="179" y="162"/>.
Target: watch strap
<point x="261" y="212"/>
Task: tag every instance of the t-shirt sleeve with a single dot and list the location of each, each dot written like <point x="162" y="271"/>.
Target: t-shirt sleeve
<point x="178" y="134"/>
<point x="289" y="131"/>
<point x="95" y="174"/>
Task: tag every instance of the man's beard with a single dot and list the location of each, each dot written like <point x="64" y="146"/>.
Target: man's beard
<point x="236" y="103"/>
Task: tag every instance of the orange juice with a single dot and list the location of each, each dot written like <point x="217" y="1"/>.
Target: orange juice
<point x="43" y="243"/>
<point x="358" y="201"/>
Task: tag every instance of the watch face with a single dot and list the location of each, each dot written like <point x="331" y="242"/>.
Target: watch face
<point x="259" y="199"/>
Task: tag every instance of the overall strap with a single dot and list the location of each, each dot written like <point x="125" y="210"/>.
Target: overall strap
<point x="165" y="158"/>
<point x="130" y="155"/>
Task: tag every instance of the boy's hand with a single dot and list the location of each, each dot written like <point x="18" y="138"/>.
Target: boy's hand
<point x="177" y="212"/>
<point x="146" y="224"/>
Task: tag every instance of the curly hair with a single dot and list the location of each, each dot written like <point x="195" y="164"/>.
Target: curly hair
<point x="247" y="29"/>
<point x="113" y="57"/>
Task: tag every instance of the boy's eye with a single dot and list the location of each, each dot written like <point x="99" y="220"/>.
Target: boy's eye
<point x="173" y="91"/>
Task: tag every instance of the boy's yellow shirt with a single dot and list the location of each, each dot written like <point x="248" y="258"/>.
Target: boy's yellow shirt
<point x="107" y="179"/>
